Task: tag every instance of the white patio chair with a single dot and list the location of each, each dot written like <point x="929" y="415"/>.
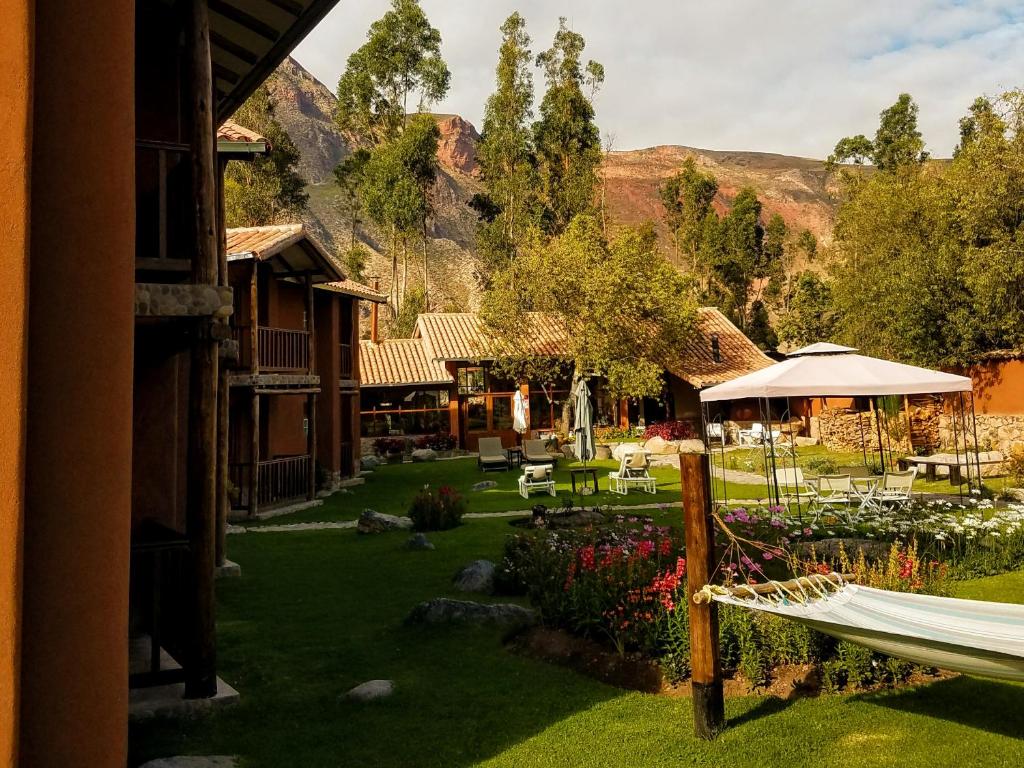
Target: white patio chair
<point x="896" y="491"/>
<point x="716" y="433"/>
<point x="834" y="494"/>
<point x="633" y="471"/>
<point x="536" y="478"/>
<point x="492" y="454"/>
<point x="752" y="436"/>
<point x="792" y="486"/>
<point x="780" y="447"/>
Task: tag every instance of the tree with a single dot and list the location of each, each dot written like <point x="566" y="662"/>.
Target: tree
<point x="505" y="152"/>
<point x="897" y="143"/>
<point x="401" y="58"/>
<point x="687" y="198"/>
<point x="624" y="309"/>
<point x="567" y="141"/>
<point x="808" y="316"/>
<point x="348" y="174"/>
<point x="264" y="190"/>
<point x="417" y="148"/>
<point x="414" y="303"/>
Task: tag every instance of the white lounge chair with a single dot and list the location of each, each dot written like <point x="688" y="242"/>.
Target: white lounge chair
<point x="536" y="478"/>
<point x="492" y="454"/>
<point x="536" y="452"/>
<point x="896" y="491"/>
<point x="633" y="471"/>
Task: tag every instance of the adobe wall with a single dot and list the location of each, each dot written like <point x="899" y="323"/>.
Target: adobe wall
<point x="284" y="433"/>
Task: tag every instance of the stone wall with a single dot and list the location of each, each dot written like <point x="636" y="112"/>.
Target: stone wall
<point x="997" y="433"/>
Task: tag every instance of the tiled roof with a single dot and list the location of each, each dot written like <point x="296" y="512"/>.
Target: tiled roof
<point x="461" y="335"/>
<point x="395" y="362"/>
<point x="352" y="288"/>
<point x="233" y="133"/>
<point x="263" y="242"/>
<point x="739" y="355"/>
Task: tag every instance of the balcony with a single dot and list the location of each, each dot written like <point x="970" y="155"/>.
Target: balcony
<point x="277" y="481"/>
<point x="278" y="350"/>
<point x="345" y="367"/>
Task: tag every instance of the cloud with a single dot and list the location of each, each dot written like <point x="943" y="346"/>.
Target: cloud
<point x="788" y="76"/>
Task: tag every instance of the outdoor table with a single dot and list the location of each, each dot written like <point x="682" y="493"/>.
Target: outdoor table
<point x="583" y="472"/>
<point x="864" y="488"/>
<point x="514" y="456"/>
<point x="155" y="541"/>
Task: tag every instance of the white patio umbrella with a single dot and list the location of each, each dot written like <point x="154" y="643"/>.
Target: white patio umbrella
<point x="519" y="423"/>
<point x="583" y="423"/>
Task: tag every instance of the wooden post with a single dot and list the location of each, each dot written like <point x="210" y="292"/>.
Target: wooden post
<point x="705" y="661"/>
<point x="254" y="319"/>
<point x="223" y="392"/>
<point x="311" y="444"/>
<point x="311" y="328"/>
<point x="201" y="513"/>
<point x="254" y="453"/>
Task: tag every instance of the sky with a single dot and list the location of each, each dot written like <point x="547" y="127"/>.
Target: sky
<point x="786" y="76"/>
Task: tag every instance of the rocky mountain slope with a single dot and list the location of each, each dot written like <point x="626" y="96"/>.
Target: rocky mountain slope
<point x="794" y="187"/>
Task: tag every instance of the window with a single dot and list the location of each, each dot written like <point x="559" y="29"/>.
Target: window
<point x="476" y="414"/>
<point x="501" y="412"/>
<point x="396" y="411"/>
<point x="471" y="381"/>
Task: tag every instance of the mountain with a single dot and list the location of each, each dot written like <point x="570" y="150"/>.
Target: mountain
<point x="794" y="187"/>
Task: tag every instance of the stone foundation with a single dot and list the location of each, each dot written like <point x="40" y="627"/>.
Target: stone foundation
<point x="182" y="300"/>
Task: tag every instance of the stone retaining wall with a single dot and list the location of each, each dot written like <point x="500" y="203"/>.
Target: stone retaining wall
<point x="996" y="433"/>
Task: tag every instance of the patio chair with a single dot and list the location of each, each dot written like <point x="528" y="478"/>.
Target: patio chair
<point x="716" y="433"/>
<point x="780" y="447"/>
<point x="633" y="470"/>
<point x="792" y="485"/>
<point x="752" y="436"/>
<point x="834" y="494"/>
<point x="536" y="478"/>
<point x="535" y="452"/>
<point x="491" y="454"/>
<point x="896" y="491"/>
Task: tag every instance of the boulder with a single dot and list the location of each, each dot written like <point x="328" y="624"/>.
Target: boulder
<point x="484" y="485"/>
<point x="424" y="454"/>
<point x="419" y="541"/>
<point x="659" y="446"/>
<point x="377" y="522"/>
<point x="478" y="576"/>
<point x="372" y="690"/>
<point x="369" y="462"/>
<point x="690" y="446"/>
<point x="803" y="442"/>
<point x="193" y="761"/>
<point x="442" y="610"/>
<point x="622" y="449"/>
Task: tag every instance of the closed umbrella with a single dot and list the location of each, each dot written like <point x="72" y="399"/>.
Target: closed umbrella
<point x="583" y="424"/>
<point x="519" y="412"/>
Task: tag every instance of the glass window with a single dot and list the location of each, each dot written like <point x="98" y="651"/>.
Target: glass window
<point x="501" y="412"/>
<point x="476" y="414"/>
<point x="471" y="381"/>
<point x="540" y="411"/>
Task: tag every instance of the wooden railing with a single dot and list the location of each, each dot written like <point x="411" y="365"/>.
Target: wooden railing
<point x="345" y="368"/>
<point x="278" y="480"/>
<point x="283" y="349"/>
<point x="163" y="226"/>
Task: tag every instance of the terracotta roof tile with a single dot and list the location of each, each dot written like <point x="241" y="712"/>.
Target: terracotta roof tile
<point x="233" y="133"/>
<point x="263" y="242"/>
<point x="397" y="362"/>
<point x="739" y="355"/>
<point x="352" y="288"/>
<point x="461" y="335"/>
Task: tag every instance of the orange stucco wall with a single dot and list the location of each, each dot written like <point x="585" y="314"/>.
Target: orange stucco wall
<point x="15" y="155"/>
<point x="283" y="431"/>
<point x="78" y="452"/>
<point x="999" y="387"/>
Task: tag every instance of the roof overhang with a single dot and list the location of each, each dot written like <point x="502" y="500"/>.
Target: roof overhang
<point x="292" y="255"/>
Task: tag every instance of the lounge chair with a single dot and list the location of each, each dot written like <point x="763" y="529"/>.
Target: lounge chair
<point x="535" y="452"/>
<point x="536" y="478"/>
<point x="491" y="454"/>
<point x="896" y="491"/>
<point x="633" y="470"/>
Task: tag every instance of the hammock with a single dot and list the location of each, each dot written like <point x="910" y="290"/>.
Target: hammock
<point x="970" y="636"/>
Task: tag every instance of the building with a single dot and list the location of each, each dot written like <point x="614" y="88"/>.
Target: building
<point x="294" y="384"/>
<point x="441" y="380"/>
<point x="117" y="306"/>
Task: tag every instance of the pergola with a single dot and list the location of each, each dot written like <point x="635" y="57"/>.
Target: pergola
<point x="831" y="370"/>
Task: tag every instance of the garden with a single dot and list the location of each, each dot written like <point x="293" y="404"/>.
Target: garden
<point x="317" y="612"/>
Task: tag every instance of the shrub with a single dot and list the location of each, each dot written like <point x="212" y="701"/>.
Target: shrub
<point x="822" y="465"/>
<point x="670" y="430"/>
<point x="437" y="511"/>
<point x="436" y="442"/>
<point x="611" y="434"/>
<point x="1015" y="464"/>
<point x="389" y="445"/>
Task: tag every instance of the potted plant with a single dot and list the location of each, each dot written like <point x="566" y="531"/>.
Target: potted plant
<point x="391" y="449"/>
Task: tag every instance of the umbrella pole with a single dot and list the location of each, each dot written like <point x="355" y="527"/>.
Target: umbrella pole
<point x="878" y="430"/>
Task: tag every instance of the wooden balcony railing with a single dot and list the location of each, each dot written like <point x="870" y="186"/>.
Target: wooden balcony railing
<point x="282" y="349"/>
<point x="278" y="480"/>
<point x="348" y="459"/>
<point x="163" y="225"/>
<point x="345" y="368"/>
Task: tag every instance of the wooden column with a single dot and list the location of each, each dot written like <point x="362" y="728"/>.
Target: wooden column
<point x="311" y="327"/>
<point x="705" y="660"/>
<point x="201" y="514"/>
<point x="254" y="453"/>
<point x="254" y="320"/>
<point x="311" y="444"/>
<point x="223" y="393"/>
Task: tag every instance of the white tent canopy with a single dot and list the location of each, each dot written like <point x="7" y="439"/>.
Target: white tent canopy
<point x="827" y="370"/>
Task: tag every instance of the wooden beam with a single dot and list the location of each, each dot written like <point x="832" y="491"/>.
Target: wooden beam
<point x="223" y="388"/>
<point x="244" y="19"/>
<point x="254" y="320"/>
<point x="254" y="454"/>
<point x="225" y="74"/>
<point x="705" y="658"/>
<point x="311" y="445"/>
<point x="201" y="513"/>
<point x="288" y="6"/>
<point x="236" y="50"/>
<point x="311" y="327"/>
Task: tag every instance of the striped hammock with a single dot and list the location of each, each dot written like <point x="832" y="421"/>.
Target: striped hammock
<point x="970" y="636"/>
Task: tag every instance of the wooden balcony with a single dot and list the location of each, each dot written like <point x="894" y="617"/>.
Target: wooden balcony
<point x="277" y="481"/>
<point x="278" y="350"/>
<point x="345" y="368"/>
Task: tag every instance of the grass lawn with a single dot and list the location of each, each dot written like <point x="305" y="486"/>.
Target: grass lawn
<point x="316" y="613"/>
<point x="390" y="488"/>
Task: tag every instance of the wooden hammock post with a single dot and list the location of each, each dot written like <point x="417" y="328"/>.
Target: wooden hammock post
<point x="705" y="659"/>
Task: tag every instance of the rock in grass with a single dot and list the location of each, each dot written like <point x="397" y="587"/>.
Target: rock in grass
<point x="372" y="521"/>
<point x="478" y="576"/>
<point x="419" y="541"/>
<point x="424" y="454"/>
<point x="368" y="462"/>
<point x="484" y="485"/>
<point x="442" y="610"/>
<point x="372" y="690"/>
<point x="193" y="761"/>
